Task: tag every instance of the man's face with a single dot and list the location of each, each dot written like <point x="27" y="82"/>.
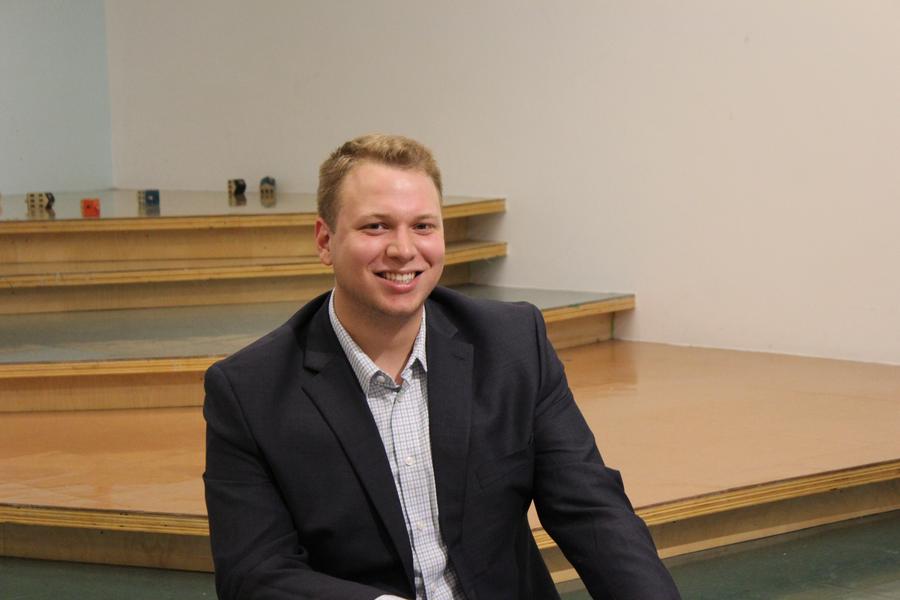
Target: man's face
<point x="387" y="245"/>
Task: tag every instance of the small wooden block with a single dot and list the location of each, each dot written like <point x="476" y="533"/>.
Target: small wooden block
<point x="90" y="208"/>
<point x="39" y="200"/>
<point x="148" y="198"/>
<point x="236" y="187"/>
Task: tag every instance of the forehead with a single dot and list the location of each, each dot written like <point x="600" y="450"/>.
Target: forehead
<point x="371" y="186"/>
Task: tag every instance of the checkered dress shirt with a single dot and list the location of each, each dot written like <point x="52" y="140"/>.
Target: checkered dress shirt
<point x="401" y="414"/>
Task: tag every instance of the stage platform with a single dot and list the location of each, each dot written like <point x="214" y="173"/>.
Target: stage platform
<point x="219" y="330"/>
<point x="156" y="357"/>
<point x="107" y="325"/>
<point x="715" y="447"/>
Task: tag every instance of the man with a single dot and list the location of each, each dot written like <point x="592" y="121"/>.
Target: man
<point x="386" y="441"/>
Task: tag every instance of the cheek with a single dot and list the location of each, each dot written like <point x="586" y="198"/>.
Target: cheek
<point x="433" y="250"/>
<point x="362" y="252"/>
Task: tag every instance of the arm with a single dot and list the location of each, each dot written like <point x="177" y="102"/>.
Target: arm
<point x="582" y="503"/>
<point x="256" y="550"/>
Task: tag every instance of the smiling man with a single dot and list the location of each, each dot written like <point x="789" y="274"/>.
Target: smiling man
<point x="387" y="441"/>
<point x="387" y="250"/>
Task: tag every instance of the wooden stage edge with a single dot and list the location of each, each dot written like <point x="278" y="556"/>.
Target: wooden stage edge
<point x="678" y="527"/>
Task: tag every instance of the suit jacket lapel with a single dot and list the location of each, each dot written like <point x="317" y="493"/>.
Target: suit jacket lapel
<point x="336" y="392"/>
<point x="450" y="364"/>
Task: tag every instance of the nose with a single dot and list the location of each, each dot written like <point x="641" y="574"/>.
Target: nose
<point x="402" y="246"/>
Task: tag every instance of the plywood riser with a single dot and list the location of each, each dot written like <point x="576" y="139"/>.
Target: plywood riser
<point x="179" y="550"/>
<point x="756" y="522"/>
<point x="100" y="392"/>
<point x="198" y="243"/>
<point x="142" y="245"/>
<point x="174" y="382"/>
<point x="180" y="293"/>
<point x="107" y="547"/>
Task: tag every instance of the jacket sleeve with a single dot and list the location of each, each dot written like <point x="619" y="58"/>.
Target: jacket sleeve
<point x="255" y="546"/>
<point x="582" y="503"/>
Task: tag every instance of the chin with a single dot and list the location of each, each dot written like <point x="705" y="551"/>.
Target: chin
<point x="402" y="311"/>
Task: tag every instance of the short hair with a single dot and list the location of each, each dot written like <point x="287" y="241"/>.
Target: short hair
<point x="391" y="150"/>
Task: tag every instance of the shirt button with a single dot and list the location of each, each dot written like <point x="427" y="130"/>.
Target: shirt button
<point x="410" y="461"/>
<point x="420" y="525"/>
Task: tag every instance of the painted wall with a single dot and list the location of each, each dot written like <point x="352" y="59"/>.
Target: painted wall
<point x="54" y="96"/>
<point x="733" y="164"/>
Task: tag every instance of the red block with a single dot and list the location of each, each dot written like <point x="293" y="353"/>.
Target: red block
<point x="90" y="208"/>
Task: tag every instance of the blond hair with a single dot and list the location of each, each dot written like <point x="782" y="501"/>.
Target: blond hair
<point x="391" y="150"/>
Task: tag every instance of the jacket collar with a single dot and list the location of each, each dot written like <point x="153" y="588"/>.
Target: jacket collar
<point x="450" y="390"/>
<point x="335" y="391"/>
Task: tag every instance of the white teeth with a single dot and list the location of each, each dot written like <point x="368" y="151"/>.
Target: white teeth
<point x="399" y="277"/>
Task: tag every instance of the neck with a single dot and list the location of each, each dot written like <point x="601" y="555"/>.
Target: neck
<point x="387" y="341"/>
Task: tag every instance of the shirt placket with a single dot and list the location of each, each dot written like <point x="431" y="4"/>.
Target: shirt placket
<point x="406" y="433"/>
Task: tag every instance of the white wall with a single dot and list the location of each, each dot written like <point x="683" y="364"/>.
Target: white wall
<point x="732" y="163"/>
<point x="54" y="96"/>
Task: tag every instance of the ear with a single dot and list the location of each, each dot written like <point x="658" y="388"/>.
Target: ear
<point x="323" y="241"/>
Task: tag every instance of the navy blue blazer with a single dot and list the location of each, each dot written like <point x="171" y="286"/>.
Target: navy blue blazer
<point x="301" y="499"/>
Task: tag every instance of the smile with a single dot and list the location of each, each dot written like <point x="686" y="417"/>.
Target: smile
<point x="398" y="277"/>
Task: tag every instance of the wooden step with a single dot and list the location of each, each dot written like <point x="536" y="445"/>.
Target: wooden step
<point x="191" y="225"/>
<point x="85" y="273"/>
<point x="97" y="285"/>
<point x="776" y="444"/>
<point x="572" y="318"/>
<point x="157" y="357"/>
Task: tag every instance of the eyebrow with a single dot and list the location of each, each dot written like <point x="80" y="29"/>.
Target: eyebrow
<point x="389" y="217"/>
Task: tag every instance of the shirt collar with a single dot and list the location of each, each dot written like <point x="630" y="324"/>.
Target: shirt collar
<point x="364" y="367"/>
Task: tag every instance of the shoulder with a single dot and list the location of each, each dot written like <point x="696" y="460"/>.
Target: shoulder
<point x="480" y="321"/>
<point x="462" y="307"/>
<point x="281" y="346"/>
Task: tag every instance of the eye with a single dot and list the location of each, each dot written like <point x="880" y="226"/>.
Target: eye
<point x="421" y="227"/>
<point x="375" y="226"/>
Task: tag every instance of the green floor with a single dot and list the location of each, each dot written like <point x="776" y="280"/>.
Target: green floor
<point x="858" y="559"/>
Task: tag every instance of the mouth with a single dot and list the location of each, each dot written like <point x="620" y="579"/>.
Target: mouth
<point x="397" y="277"/>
